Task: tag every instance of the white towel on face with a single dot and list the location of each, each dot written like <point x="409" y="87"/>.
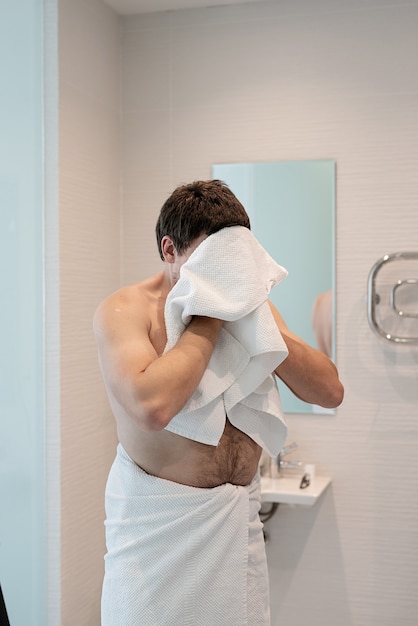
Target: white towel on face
<point x="229" y="276"/>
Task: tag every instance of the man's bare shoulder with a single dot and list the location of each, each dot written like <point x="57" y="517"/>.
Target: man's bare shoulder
<point x="132" y="302"/>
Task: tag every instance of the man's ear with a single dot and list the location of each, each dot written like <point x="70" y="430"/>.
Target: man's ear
<point x="168" y="249"/>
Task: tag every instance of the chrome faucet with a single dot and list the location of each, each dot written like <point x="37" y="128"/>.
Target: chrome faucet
<point x="281" y="465"/>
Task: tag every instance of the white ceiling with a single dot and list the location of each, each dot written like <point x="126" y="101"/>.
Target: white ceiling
<point x="130" y="7"/>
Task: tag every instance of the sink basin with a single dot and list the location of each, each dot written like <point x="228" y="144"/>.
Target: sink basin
<point x="286" y="489"/>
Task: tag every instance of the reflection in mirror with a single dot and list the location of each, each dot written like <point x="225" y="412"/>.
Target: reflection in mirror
<point x="291" y="207"/>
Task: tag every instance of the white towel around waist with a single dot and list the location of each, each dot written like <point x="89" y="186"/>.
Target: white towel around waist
<point x="229" y="276"/>
<point x="180" y="555"/>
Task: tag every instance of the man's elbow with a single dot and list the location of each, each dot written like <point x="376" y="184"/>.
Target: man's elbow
<point x="334" y="396"/>
<point x="154" y="419"/>
<point x="150" y="416"/>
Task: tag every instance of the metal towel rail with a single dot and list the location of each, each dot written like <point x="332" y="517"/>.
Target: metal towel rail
<point x="374" y="299"/>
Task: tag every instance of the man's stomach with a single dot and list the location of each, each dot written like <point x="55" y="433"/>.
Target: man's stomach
<point x="172" y="457"/>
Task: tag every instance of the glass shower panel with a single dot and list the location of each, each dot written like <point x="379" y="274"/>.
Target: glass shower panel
<point x="22" y="428"/>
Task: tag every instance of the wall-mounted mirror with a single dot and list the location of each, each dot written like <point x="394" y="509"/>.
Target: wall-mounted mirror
<point x="291" y="205"/>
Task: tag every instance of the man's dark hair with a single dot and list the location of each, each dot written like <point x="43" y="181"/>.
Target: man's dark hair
<point x="201" y="207"/>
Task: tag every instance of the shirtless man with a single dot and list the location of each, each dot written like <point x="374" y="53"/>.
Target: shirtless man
<point x="147" y="387"/>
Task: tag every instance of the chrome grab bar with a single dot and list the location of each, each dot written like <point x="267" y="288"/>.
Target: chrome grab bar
<point x="373" y="298"/>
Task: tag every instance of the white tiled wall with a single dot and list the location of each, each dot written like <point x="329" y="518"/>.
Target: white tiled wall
<point x="305" y="80"/>
<point x="295" y="79"/>
<point x="89" y="98"/>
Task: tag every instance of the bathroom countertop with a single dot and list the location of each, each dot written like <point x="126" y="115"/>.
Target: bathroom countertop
<point x="286" y="489"/>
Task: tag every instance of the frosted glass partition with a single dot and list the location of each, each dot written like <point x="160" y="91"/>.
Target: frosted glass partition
<point x="22" y="431"/>
<point x="291" y="207"/>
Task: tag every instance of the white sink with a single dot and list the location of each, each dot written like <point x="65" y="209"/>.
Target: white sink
<point x="286" y="489"/>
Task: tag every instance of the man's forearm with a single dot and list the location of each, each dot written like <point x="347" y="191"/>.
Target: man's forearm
<point x="310" y="374"/>
<point x="169" y="381"/>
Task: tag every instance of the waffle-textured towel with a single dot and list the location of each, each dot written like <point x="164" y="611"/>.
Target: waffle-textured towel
<point x="229" y="276"/>
<point x="180" y="555"/>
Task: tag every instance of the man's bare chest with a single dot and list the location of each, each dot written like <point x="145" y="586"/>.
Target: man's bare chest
<point x="157" y="333"/>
